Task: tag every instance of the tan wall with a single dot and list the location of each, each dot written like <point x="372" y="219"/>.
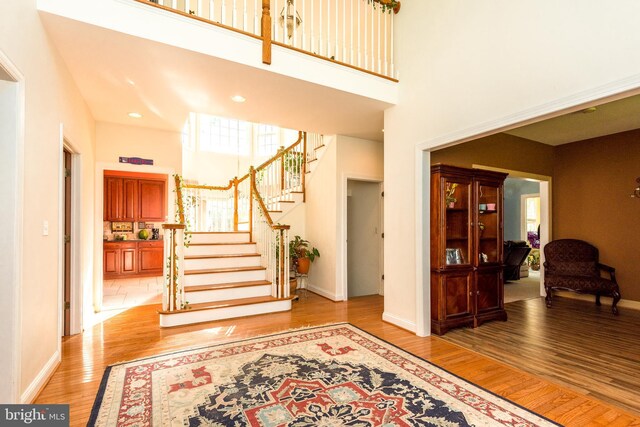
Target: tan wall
<point x="500" y="151"/>
<point x="114" y="140"/>
<point x="592" y="183"/>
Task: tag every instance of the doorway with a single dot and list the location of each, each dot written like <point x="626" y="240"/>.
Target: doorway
<point x="364" y="238"/>
<point x="67" y="218"/>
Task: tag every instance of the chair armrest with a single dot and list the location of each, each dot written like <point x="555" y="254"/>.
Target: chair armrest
<point x="610" y="270"/>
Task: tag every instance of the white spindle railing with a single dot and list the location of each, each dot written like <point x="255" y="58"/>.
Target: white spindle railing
<point x="173" y="292"/>
<point x="355" y="32"/>
<point x="272" y="242"/>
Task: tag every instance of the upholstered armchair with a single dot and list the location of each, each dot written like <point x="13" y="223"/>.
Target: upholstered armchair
<point x="572" y="265"/>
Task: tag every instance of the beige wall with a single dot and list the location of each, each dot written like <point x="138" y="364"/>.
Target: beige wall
<point x="500" y="151"/>
<point x="592" y="183"/>
<point x="115" y="140"/>
<point x="343" y="158"/>
<point x="52" y="99"/>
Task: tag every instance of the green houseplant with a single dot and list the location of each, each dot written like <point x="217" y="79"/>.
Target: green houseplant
<point x="302" y="254"/>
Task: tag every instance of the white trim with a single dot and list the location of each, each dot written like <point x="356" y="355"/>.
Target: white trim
<point x="606" y="301"/>
<point x="423" y="243"/>
<point x="341" y="247"/>
<point x="99" y="202"/>
<point x="402" y="323"/>
<point x="41" y="379"/>
<point x="60" y="237"/>
<point x="76" y="296"/>
<point x="323" y="293"/>
<point x="13" y="319"/>
<point x="616" y="90"/>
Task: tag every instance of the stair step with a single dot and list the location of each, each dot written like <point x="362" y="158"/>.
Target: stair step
<point x="221" y="256"/>
<point x="222" y="304"/>
<point x="319" y="147"/>
<point x="201" y="288"/>
<point x="219" y="232"/>
<point x="222" y="243"/>
<point x="312" y="160"/>
<point x="206" y="237"/>
<point x="223" y="270"/>
<point x="207" y="312"/>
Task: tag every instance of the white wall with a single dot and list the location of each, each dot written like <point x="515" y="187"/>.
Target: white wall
<point x="469" y="68"/>
<point x="343" y="158"/>
<point x="51" y="99"/>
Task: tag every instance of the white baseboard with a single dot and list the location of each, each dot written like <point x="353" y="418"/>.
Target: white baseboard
<point x="624" y="303"/>
<point x="323" y="293"/>
<point x="41" y="379"/>
<point x="402" y="323"/>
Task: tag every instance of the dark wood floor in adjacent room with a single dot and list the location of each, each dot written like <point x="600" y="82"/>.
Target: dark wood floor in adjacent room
<point x="135" y="333"/>
<point x="575" y="343"/>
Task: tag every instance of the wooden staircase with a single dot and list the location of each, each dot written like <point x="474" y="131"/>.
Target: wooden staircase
<point x="218" y="275"/>
<point x="223" y="279"/>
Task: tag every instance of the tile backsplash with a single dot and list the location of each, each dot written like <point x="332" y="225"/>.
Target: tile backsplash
<point x="109" y="234"/>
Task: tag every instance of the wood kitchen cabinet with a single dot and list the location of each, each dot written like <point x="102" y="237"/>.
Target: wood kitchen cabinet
<point x="152" y="203"/>
<point x="133" y="259"/>
<point x="467" y="285"/>
<point x="132" y="197"/>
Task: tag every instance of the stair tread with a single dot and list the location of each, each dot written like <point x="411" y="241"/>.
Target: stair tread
<point x="248" y="255"/>
<point x="219" y="232"/>
<point x="223" y="270"/>
<point x="199" y="288"/>
<point x="223" y="304"/>
<point x="319" y="147"/>
<point x="223" y="243"/>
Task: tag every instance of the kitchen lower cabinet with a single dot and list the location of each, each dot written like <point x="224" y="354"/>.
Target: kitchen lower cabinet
<point x="133" y="259"/>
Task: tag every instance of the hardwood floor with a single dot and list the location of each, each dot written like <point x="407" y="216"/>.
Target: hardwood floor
<point x="574" y="343"/>
<point x="135" y="333"/>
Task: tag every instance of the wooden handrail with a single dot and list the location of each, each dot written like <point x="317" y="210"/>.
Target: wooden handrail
<point x="258" y="197"/>
<point x="210" y="187"/>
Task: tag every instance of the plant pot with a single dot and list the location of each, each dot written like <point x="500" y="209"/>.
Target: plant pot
<point x="535" y="267"/>
<point x="303" y="265"/>
<point x="451" y="205"/>
<point x="293" y="285"/>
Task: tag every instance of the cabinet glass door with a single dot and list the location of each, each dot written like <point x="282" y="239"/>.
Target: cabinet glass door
<point x="458" y="216"/>
<point x="489" y="224"/>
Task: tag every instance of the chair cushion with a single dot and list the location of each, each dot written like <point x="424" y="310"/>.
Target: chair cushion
<point x="574" y="268"/>
<point x="580" y="283"/>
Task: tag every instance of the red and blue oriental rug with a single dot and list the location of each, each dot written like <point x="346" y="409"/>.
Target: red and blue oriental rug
<point x="326" y="376"/>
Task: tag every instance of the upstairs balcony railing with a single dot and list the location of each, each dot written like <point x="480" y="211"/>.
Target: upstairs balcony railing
<point x="355" y="33"/>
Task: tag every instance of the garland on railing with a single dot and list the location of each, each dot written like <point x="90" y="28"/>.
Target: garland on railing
<point x="387" y="5"/>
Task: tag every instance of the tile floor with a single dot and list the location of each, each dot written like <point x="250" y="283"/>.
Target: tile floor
<point x="127" y="293"/>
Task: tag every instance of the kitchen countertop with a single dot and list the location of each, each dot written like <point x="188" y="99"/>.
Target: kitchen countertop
<point x="132" y="240"/>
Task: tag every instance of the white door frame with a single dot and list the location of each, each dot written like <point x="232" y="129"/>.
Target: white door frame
<point x="99" y="209"/>
<point x="11" y="245"/>
<point x="341" y="249"/>
<point x="76" y="289"/>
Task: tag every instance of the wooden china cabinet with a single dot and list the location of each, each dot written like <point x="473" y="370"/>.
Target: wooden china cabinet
<point x="467" y="286"/>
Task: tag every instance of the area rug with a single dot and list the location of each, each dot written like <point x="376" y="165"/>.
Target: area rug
<point x="335" y="375"/>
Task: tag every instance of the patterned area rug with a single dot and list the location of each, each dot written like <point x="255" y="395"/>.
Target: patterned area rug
<point x="326" y="376"/>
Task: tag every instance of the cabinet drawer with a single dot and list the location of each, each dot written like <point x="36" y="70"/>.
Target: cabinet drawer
<point x="120" y="245"/>
<point x="151" y="244"/>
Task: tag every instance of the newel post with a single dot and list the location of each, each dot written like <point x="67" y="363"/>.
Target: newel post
<point x="252" y="183"/>
<point x="266" y="32"/>
<point x="235" y="204"/>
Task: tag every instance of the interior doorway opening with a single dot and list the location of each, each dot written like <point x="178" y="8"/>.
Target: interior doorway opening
<point x="364" y="238"/>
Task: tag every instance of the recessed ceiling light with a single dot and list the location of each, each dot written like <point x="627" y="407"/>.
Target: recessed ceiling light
<point x="238" y="98"/>
<point x="135" y="115"/>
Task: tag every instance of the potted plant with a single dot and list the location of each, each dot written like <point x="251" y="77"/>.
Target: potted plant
<point x="301" y="254"/>
<point x="534" y="259"/>
<point x="450" y="200"/>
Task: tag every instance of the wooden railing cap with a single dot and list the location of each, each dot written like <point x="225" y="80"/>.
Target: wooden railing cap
<point x="173" y="226"/>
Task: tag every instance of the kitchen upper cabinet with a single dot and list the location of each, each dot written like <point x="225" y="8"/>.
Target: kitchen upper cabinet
<point x="151" y="200"/>
<point x="128" y="198"/>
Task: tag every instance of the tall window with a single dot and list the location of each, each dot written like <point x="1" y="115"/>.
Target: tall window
<point x="267" y="140"/>
<point x="530" y="213"/>
<point x="222" y="135"/>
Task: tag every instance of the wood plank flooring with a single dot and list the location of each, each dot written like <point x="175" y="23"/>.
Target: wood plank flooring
<point x="135" y="333"/>
<point x="574" y="343"/>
